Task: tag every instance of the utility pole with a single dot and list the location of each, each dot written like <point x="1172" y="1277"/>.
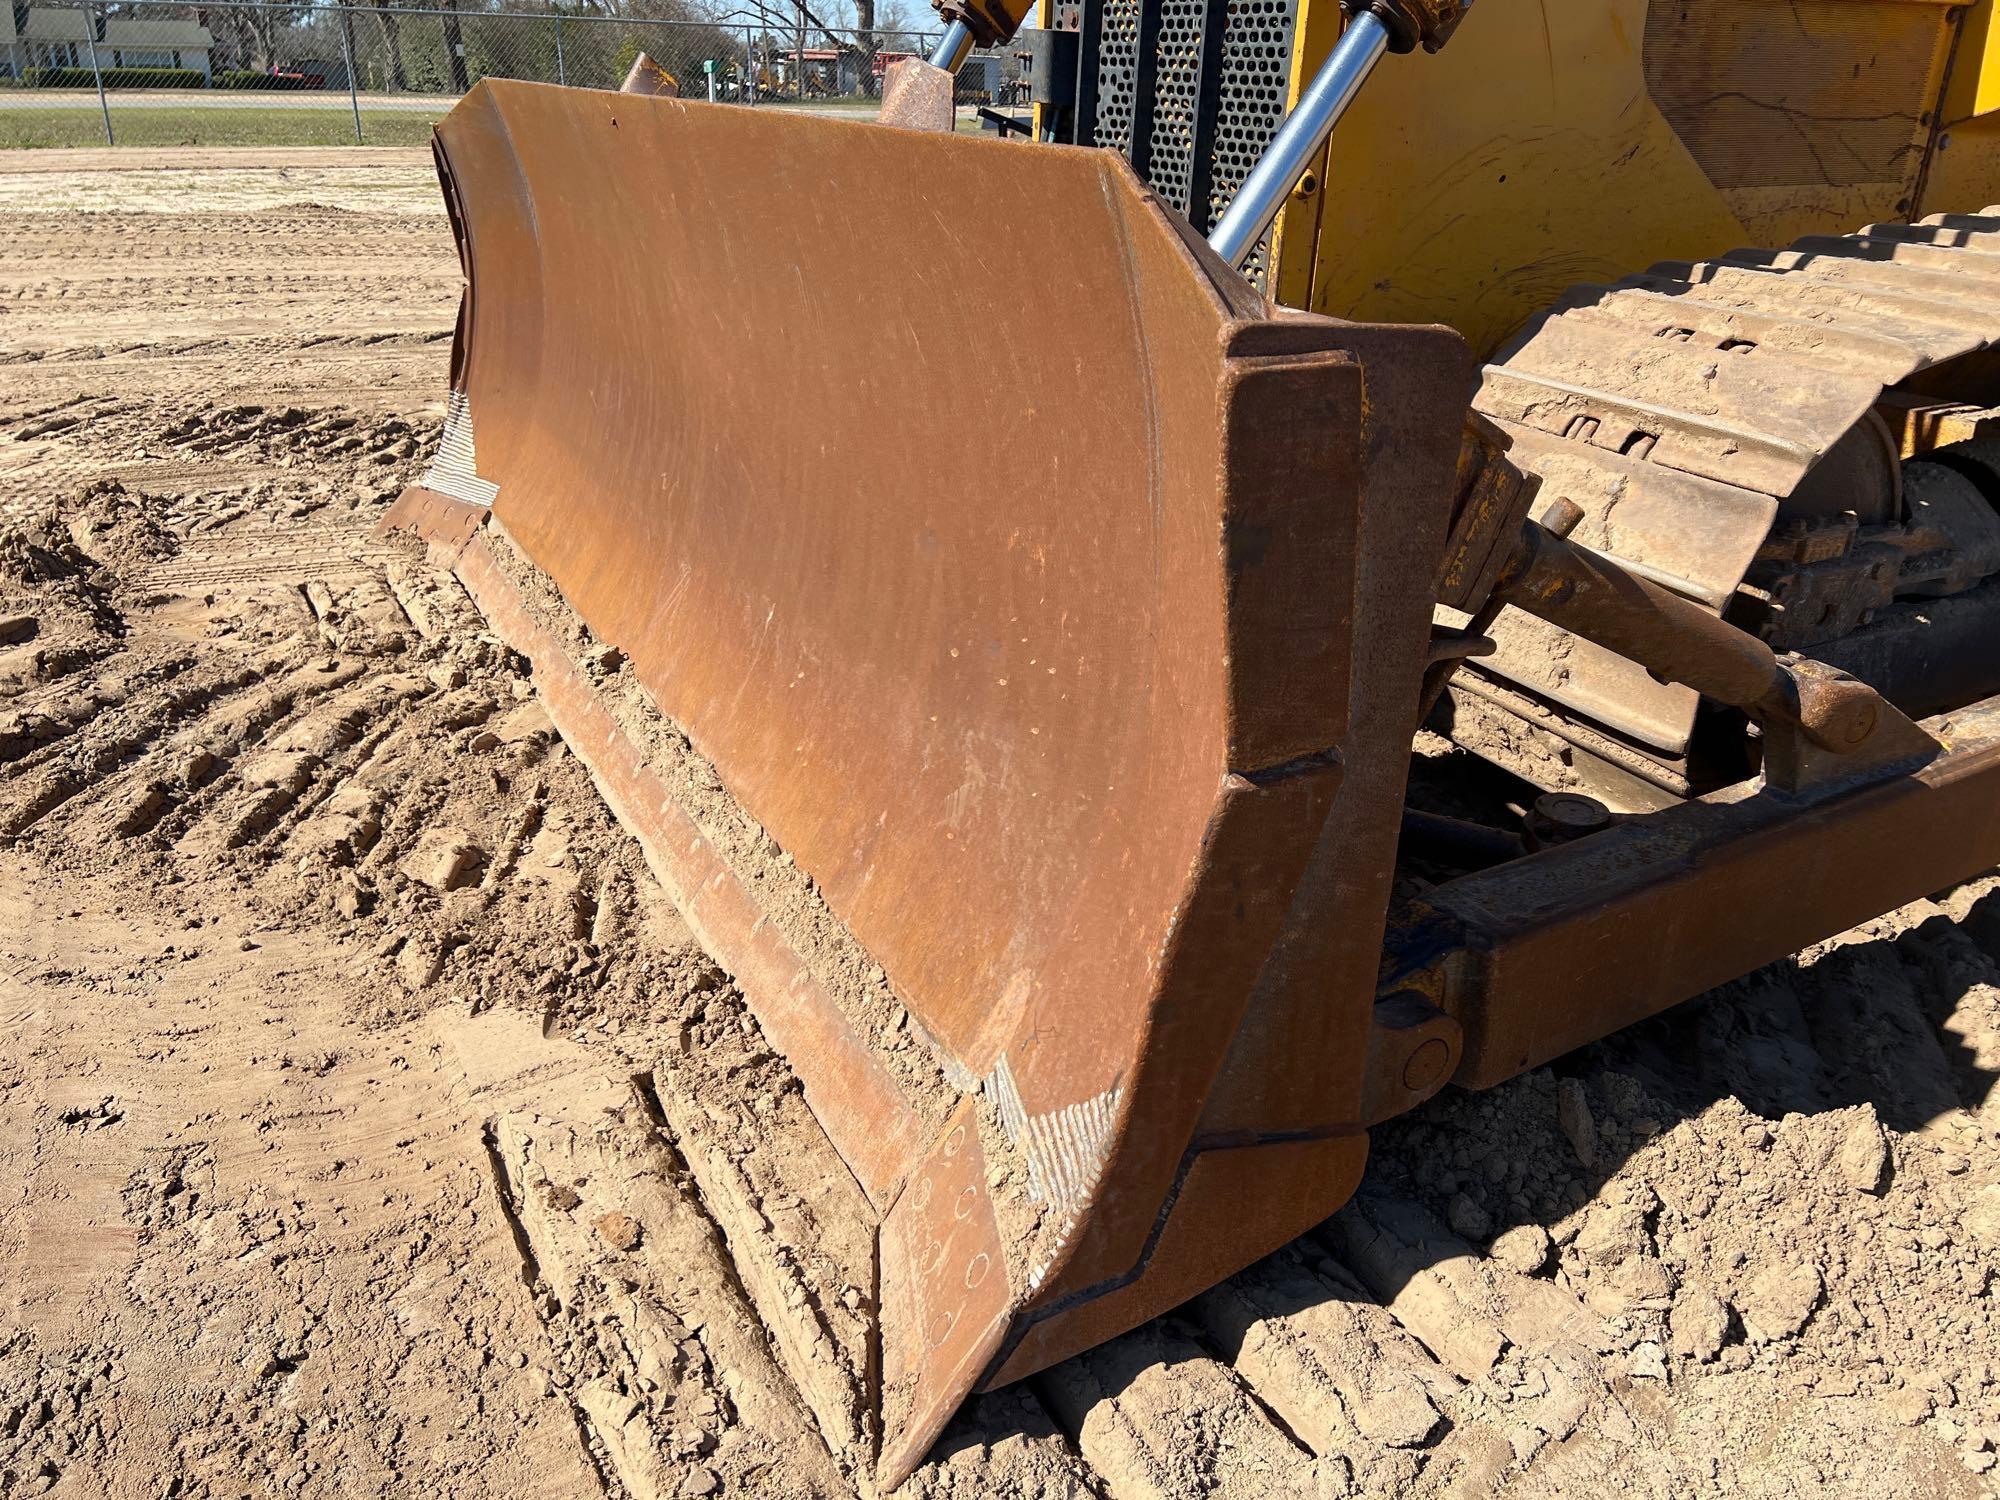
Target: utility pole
<point x="347" y="57"/>
<point x="90" y="38"/>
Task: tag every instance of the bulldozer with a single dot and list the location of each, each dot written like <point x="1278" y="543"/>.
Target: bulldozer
<point x="1064" y="551"/>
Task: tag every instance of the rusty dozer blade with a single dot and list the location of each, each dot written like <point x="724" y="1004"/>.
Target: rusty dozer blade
<point x="1069" y="648"/>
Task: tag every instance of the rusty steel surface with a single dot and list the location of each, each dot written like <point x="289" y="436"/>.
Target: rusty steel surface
<point x="1652" y="627"/>
<point x="445" y="523"/>
<point x="1075" y="661"/>
<point x="1541" y="956"/>
<point x="868" y="1121"/>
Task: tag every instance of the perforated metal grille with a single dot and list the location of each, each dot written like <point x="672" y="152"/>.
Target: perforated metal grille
<point x="1177" y="95"/>
<point x="1215" y="102"/>
<point x="1118" y="74"/>
<point x="1256" y="72"/>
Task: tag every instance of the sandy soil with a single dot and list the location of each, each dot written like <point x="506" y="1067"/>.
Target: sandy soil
<point x="246" y="179"/>
<point x="370" y="1124"/>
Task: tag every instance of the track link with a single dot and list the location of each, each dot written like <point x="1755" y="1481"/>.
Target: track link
<point x="1715" y="420"/>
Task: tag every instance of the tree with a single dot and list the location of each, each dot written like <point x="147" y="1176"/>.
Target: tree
<point x="348" y="50"/>
<point x="893" y="16"/>
<point x="392" y="43"/>
<point x="454" y="48"/>
<point x="248" y="38"/>
<point x="864" y="26"/>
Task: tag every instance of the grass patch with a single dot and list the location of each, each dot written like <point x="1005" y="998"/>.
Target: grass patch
<point x="164" y="125"/>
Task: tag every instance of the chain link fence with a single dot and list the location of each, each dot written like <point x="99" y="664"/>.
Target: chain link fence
<point x="261" y="72"/>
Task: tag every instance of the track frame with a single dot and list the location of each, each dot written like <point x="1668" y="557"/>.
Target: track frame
<point x="1543" y="954"/>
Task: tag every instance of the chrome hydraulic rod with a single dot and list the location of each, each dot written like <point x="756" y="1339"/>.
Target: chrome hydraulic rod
<point x="953" y="47"/>
<point x="1298" y="140"/>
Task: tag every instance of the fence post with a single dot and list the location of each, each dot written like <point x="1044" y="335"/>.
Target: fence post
<point x="347" y="56"/>
<point x="562" y="79"/>
<point x="750" y="66"/>
<point x="90" y="39"/>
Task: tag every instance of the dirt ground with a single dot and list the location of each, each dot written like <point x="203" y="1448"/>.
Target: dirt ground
<point x="370" y="1124"/>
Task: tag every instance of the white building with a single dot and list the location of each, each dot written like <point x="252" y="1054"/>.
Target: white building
<point x="51" y="38"/>
<point x="156" y="42"/>
<point x="58" y="37"/>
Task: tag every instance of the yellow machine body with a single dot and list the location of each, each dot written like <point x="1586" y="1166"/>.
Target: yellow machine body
<point x="1550" y="145"/>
